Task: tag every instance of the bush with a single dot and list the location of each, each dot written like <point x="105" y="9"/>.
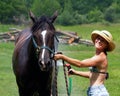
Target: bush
<point x="110" y="14"/>
<point x="66" y="18"/>
<point x="80" y="19"/>
<point x="95" y="16"/>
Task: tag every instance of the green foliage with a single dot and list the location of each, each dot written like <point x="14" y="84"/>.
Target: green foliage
<point x="66" y="18"/>
<point x="84" y="11"/>
<point x="95" y="16"/>
<point x="112" y="13"/>
<point x="47" y="7"/>
<point x="71" y="12"/>
<point x="28" y="3"/>
<point x="10" y="8"/>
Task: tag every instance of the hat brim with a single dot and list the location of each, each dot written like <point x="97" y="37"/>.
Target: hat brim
<point x="97" y="33"/>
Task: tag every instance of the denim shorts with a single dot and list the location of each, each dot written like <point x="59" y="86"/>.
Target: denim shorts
<point x="97" y="91"/>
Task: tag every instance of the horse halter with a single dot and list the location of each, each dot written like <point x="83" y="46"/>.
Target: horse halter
<point x="38" y="48"/>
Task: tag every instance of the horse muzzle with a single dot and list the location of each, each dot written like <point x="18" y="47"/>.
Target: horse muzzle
<point x="44" y="64"/>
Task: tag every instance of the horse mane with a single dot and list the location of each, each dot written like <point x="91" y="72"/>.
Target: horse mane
<point x="41" y="24"/>
<point x="22" y="37"/>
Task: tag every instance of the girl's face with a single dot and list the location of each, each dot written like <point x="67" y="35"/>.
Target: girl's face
<point x="101" y="43"/>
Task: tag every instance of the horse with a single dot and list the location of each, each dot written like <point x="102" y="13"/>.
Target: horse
<point x="32" y="61"/>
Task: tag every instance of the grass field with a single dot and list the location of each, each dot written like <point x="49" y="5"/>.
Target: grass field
<point x="79" y="85"/>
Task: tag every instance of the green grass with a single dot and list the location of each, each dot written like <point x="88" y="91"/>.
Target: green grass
<point x="84" y="31"/>
<point x="7" y="79"/>
<point x="8" y="85"/>
<point x="7" y="28"/>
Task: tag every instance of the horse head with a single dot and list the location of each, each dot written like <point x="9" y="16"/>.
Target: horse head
<point x="43" y="33"/>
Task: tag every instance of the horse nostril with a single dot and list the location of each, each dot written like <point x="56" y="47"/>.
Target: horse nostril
<point x="42" y="64"/>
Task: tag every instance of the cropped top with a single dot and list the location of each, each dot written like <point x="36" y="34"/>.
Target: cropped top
<point x="95" y="70"/>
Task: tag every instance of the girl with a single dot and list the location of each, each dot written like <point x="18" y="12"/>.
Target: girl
<point x="98" y="64"/>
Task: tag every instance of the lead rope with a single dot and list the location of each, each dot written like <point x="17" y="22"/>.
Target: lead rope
<point x="55" y="78"/>
<point x="56" y="69"/>
<point x="64" y="69"/>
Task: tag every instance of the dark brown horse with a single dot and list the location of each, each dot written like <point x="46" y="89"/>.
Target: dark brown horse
<point x="32" y="58"/>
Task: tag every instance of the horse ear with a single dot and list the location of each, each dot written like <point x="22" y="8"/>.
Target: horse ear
<point x="32" y="16"/>
<point x="54" y="16"/>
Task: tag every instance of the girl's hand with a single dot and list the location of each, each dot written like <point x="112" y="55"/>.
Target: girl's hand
<point x="58" y="56"/>
<point x="71" y="72"/>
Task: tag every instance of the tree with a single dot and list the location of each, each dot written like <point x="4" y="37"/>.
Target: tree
<point x="95" y="16"/>
<point x="47" y="7"/>
<point x="70" y="11"/>
<point x="66" y="17"/>
<point x="10" y="8"/>
<point x="112" y="13"/>
<point x="28" y="4"/>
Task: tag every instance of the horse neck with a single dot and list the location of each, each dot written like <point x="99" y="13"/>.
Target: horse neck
<point x="23" y="37"/>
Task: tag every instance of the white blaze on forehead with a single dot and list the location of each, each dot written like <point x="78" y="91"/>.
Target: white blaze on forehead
<point x="43" y="36"/>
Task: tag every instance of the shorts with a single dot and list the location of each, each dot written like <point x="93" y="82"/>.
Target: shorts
<point x="97" y="91"/>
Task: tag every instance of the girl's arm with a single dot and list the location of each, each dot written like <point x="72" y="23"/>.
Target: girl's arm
<point x="94" y="61"/>
<point x="80" y="73"/>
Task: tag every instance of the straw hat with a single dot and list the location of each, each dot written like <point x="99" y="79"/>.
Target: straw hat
<point x="106" y="35"/>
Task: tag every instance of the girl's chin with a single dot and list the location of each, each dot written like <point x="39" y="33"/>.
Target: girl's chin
<point x="98" y="47"/>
